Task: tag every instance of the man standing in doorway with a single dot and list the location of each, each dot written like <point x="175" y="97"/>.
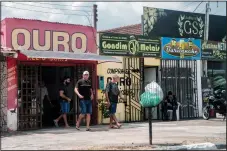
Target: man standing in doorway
<point x="84" y="91"/>
<point x="64" y="102"/>
<point x="45" y="103"/>
<point x="112" y="94"/>
<point x="42" y="94"/>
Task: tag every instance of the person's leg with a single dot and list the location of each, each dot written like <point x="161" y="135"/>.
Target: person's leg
<point x="111" y="121"/>
<point x="88" y="113"/>
<point x="59" y="118"/>
<point x="83" y="112"/>
<point x="111" y="116"/>
<point x="66" y="110"/>
<point x="113" y="111"/>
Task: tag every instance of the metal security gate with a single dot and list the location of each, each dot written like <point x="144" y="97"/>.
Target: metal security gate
<point x="179" y="76"/>
<point x="133" y="109"/>
<point x="29" y="115"/>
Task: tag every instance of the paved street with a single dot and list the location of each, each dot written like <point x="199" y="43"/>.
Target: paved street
<point x="131" y="136"/>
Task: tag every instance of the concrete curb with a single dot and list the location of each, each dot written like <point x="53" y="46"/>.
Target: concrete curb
<point x="202" y="146"/>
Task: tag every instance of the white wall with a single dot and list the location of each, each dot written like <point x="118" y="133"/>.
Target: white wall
<point x="199" y="86"/>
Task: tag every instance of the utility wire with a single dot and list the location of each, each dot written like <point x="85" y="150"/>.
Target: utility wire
<point x="197" y="6"/>
<point x="87" y="16"/>
<point x="61" y="4"/>
<point x="51" y="7"/>
<point x="44" y="11"/>
<point x="173" y="11"/>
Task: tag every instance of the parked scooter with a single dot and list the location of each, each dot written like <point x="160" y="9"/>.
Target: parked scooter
<point x="216" y="102"/>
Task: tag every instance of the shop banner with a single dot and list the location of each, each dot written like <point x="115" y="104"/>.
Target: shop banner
<point x="213" y="51"/>
<point x="11" y="84"/>
<point x="129" y="45"/>
<point x="181" y="48"/>
<point x="172" y="23"/>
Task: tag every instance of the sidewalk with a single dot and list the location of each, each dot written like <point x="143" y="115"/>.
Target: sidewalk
<point x="130" y="136"/>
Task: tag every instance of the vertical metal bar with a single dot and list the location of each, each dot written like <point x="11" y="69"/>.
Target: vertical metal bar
<point x="124" y="68"/>
<point x="195" y="75"/>
<point x="179" y="86"/>
<point x="40" y="76"/>
<point x="142" y="84"/>
<point x="166" y="75"/>
<point x="150" y="124"/>
<point x="130" y="105"/>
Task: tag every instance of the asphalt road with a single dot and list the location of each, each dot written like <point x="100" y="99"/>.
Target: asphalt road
<point x="130" y="136"/>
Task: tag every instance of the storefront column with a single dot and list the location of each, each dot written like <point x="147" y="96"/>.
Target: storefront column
<point x="12" y="94"/>
<point x="3" y="94"/>
<point x="199" y="87"/>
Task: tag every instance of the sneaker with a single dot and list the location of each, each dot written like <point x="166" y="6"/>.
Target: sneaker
<point x="56" y="123"/>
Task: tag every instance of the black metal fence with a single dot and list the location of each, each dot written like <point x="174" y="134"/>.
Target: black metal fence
<point x="29" y="104"/>
<point x="180" y="77"/>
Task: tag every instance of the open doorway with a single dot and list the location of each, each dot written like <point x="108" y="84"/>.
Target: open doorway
<point x="52" y="77"/>
<point x="33" y="115"/>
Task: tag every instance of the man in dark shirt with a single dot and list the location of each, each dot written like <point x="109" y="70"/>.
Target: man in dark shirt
<point x="112" y="94"/>
<point x="170" y="103"/>
<point x="64" y="102"/>
<point x="83" y="90"/>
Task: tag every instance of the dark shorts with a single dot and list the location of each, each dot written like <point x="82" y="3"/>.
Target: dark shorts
<point x="65" y="107"/>
<point x="113" y="108"/>
<point x="86" y="106"/>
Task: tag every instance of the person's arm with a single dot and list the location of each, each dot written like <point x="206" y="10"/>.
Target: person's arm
<point x="92" y="95"/>
<point x="46" y="93"/>
<point x="121" y="96"/>
<point x="63" y="96"/>
<point x="106" y="92"/>
<point x="76" y="90"/>
<point x="166" y="98"/>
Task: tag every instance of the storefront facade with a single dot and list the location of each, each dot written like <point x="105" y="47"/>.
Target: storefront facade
<point x="131" y="79"/>
<point x="215" y="54"/>
<point x="179" y="24"/>
<point x="188" y="72"/>
<point x="45" y="52"/>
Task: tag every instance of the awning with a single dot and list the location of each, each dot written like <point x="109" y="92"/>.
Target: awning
<point x="6" y="51"/>
<point x="67" y="56"/>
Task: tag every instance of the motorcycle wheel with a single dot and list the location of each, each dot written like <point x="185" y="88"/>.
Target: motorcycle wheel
<point x="206" y="113"/>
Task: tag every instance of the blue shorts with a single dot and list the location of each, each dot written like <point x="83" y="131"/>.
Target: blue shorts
<point x="86" y="106"/>
<point x="65" y="107"/>
<point x="113" y="108"/>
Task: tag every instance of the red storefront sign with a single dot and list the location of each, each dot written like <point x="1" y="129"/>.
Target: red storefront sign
<point x="39" y="35"/>
<point x="12" y="84"/>
<point x="48" y="36"/>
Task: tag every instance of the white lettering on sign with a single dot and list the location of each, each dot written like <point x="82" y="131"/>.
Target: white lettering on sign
<point x="36" y="43"/>
<point x="27" y="39"/>
<point x="190" y="25"/>
<point x="76" y="42"/>
<point x="57" y="42"/>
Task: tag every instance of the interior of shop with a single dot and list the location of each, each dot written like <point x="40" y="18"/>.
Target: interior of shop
<point x="31" y="114"/>
<point x="52" y="77"/>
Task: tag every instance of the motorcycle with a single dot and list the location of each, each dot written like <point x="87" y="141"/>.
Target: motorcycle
<point x="216" y="102"/>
